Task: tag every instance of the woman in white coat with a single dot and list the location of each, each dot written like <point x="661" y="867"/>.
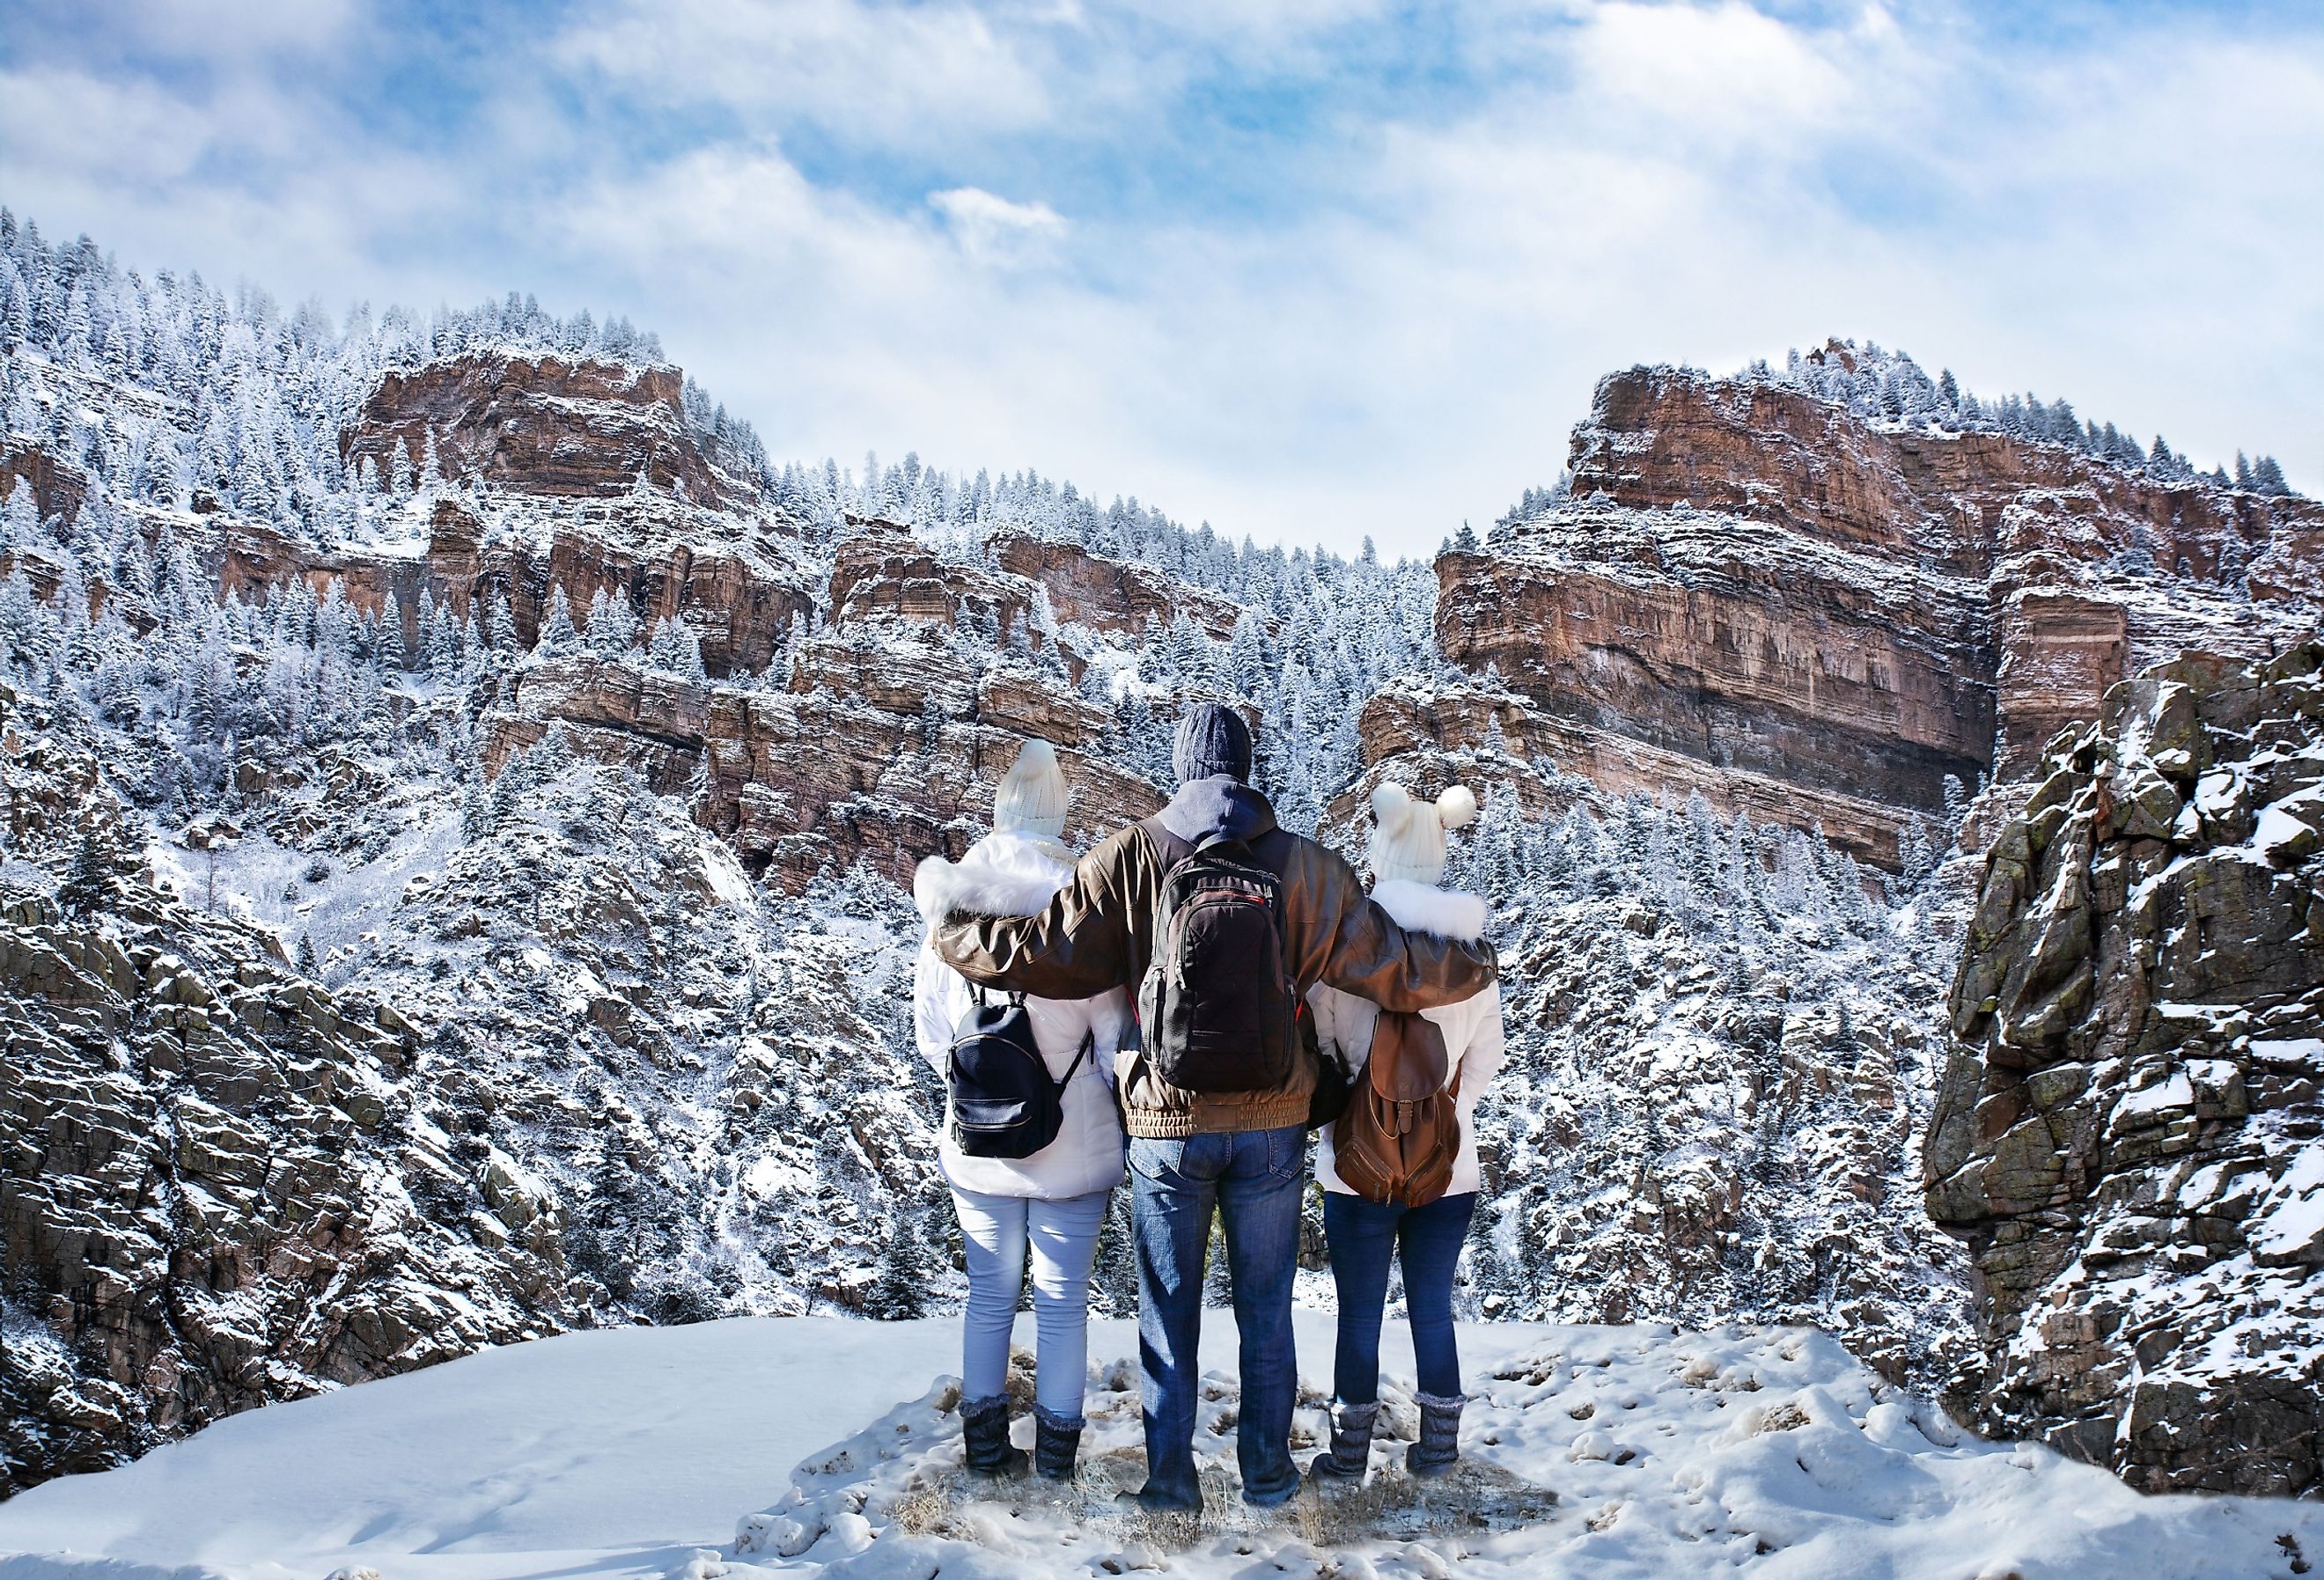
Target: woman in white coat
<point x="1053" y="1202"/>
<point x="1407" y="861"/>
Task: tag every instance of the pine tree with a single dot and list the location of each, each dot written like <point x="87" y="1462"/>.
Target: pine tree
<point x="674" y="647"/>
<point x="305" y="959"/>
<point x="476" y="811"/>
<point x="1914" y="859"/>
<point x="557" y="638"/>
<point x="89" y="879"/>
<point x="1218" y="1279"/>
<point x="900" y="1292"/>
<point x="1955" y="803"/>
<point x="613" y="622"/>
<point x="20" y="519"/>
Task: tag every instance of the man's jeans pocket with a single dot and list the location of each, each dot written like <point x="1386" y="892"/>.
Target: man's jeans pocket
<point x="1160" y="1160"/>
<point x="1287" y="1153"/>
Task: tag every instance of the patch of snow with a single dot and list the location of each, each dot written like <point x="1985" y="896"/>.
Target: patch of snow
<point x="2291" y="1218"/>
<point x="2175" y="1092"/>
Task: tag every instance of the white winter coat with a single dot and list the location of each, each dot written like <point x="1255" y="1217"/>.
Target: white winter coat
<point x="1012" y="874"/>
<point x="1471" y="1027"/>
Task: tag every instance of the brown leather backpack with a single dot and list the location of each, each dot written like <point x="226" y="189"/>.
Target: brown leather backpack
<point x="1401" y="1134"/>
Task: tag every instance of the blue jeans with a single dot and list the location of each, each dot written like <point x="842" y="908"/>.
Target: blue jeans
<point x="1253" y="1179"/>
<point x="994" y="1231"/>
<point x="1364" y="1236"/>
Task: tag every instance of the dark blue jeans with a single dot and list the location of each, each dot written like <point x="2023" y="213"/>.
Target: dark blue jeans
<point x="1364" y="1236"/>
<point x="1254" y="1180"/>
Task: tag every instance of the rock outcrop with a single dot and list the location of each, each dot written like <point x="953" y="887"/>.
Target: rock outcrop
<point x="1109" y="595"/>
<point x="2130" y="1131"/>
<point x="882" y="754"/>
<point x="1756" y="581"/>
<point x="542" y="424"/>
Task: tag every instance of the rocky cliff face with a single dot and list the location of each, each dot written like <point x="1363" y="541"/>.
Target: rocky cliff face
<point x="583" y="476"/>
<point x="739" y="583"/>
<point x="1750" y="585"/>
<point x="2130" y="1134"/>
<point x="895" y="722"/>
<point x="215" y="1187"/>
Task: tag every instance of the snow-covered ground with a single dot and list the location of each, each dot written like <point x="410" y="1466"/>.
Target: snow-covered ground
<point x="1606" y="1452"/>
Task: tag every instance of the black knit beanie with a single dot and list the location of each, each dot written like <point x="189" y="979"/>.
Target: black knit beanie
<point x="1213" y="740"/>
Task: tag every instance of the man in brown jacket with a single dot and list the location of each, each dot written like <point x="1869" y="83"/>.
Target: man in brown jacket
<point x="1242" y="1154"/>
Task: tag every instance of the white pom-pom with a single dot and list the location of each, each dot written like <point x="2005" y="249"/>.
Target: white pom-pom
<point x="1456" y="807"/>
<point x="1391" y="805"/>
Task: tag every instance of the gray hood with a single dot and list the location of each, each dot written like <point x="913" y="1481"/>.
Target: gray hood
<point x="1219" y="805"/>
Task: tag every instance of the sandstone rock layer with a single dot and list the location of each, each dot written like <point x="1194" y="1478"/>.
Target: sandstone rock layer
<point x="1756" y="582"/>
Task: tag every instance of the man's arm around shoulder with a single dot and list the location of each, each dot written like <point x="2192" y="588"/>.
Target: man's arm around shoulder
<point x="1355" y="946"/>
<point x="1076" y="947"/>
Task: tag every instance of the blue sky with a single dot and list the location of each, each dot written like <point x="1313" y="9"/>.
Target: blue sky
<point x="1307" y="268"/>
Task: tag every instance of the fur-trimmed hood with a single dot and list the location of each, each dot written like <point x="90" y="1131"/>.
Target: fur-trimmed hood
<point x="1424" y="908"/>
<point x="1005" y="874"/>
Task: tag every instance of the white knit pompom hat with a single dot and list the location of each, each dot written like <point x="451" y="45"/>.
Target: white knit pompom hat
<point x="1408" y="836"/>
<point x="1033" y="796"/>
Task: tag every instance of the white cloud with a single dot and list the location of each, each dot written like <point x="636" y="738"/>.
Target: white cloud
<point x="993" y="229"/>
<point x="888" y="73"/>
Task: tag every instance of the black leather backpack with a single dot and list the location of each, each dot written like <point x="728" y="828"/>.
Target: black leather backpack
<point x="1002" y="1102"/>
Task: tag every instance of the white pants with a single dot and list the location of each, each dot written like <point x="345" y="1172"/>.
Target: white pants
<point x="1063" y="1235"/>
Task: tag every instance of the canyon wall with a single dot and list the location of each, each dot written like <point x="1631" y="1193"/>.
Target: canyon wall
<point x="1751" y="586"/>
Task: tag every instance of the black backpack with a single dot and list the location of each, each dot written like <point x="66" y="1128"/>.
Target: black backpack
<point x="1216" y="1010"/>
<point x="1002" y="1101"/>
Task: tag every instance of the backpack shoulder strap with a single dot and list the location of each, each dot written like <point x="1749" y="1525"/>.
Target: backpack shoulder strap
<point x="1089" y="1046"/>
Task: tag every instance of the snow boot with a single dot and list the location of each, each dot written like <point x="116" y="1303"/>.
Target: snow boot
<point x="1351" y="1442"/>
<point x="1057" y="1440"/>
<point x="985" y="1448"/>
<point x="1439" y="1447"/>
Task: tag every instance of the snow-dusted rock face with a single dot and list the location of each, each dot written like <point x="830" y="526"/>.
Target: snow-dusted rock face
<point x="217" y="1188"/>
<point x="572" y="427"/>
<point x="1110" y="595"/>
<point x="740" y="584"/>
<point x="2129" y="1134"/>
<point x="1753" y="583"/>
